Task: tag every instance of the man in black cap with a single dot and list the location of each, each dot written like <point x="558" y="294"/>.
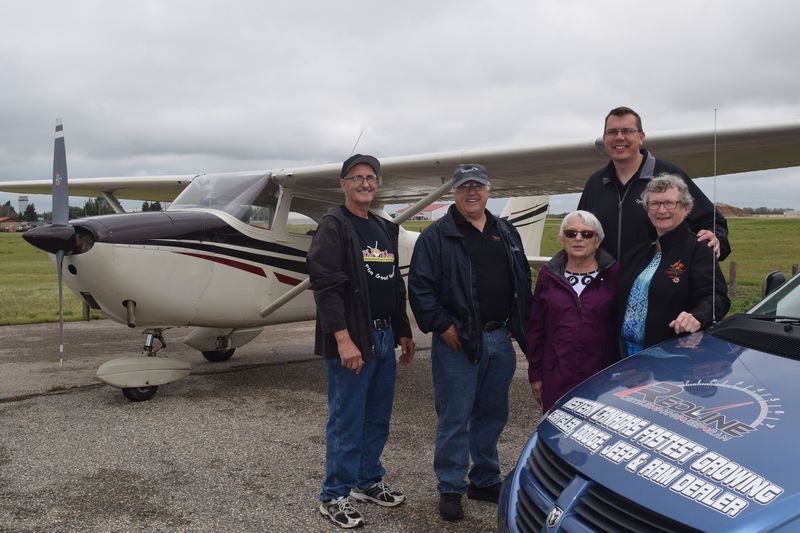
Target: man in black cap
<point x="361" y="318"/>
<point x="470" y="284"/>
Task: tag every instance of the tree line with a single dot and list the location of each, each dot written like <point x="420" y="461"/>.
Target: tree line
<point x="764" y="210"/>
<point x="92" y="207"/>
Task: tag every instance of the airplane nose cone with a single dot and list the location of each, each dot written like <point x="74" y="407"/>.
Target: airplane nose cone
<point x="51" y="238"/>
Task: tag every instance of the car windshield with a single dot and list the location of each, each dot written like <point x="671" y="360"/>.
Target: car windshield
<point x="252" y="198"/>
<point x="785" y="301"/>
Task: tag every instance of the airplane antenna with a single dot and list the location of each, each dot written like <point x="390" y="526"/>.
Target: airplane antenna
<point x="357" y="140"/>
<point x="714" y="227"/>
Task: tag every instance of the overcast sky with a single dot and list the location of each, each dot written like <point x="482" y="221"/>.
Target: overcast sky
<point x="164" y="87"/>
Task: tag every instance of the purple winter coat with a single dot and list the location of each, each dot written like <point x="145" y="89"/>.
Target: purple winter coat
<point x="570" y="337"/>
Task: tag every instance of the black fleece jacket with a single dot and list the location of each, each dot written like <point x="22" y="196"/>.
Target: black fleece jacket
<point x="336" y="269"/>
<point x="624" y="218"/>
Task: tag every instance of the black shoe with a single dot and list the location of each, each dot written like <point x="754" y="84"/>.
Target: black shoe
<point x="450" y="506"/>
<point x="487" y="494"/>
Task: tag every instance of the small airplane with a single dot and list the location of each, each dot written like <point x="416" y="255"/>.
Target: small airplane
<point x="227" y="257"/>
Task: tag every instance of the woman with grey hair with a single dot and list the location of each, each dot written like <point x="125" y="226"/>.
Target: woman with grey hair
<point x="674" y="285"/>
<point x="572" y="330"/>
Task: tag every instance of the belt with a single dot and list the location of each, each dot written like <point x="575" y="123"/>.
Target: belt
<point x="381" y="323"/>
<point x="493" y="325"/>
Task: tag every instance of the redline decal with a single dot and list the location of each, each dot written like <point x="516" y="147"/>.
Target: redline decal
<point x="742" y="409"/>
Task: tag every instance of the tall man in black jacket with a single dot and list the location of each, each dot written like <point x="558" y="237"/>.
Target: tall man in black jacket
<point x="361" y="317"/>
<point x="613" y="194"/>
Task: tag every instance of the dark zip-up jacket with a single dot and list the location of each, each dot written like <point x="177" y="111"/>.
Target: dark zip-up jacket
<point x="442" y="288"/>
<point x="685" y="280"/>
<point x="336" y="269"/>
<point x="571" y="337"/>
<point x="624" y="217"/>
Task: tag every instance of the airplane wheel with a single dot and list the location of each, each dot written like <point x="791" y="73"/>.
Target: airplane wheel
<point x="218" y="356"/>
<point x="140" y="394"/>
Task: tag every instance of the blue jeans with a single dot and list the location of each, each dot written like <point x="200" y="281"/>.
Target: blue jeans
<point x="472" y="406"/>
<point x="359" y="407"/>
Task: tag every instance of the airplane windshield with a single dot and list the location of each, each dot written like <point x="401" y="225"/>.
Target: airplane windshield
<point x="252" y="198"/>
<point x="784" y="302"/>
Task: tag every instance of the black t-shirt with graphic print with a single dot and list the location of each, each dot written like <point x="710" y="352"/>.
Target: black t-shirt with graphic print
<point x="376" y="248"/>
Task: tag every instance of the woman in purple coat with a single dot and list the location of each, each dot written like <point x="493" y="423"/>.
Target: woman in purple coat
<point x="572" y="332"/>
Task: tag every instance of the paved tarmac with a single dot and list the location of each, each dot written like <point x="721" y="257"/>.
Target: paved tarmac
<point x="236" y="446"/>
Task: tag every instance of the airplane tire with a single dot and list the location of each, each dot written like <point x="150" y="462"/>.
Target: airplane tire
<point x="140" y="394"/>
<point x="217" y="356"/>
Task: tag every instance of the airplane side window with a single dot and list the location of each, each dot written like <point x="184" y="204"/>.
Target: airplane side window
<point x="260" y="212"/>
<point x="305" y="214"/>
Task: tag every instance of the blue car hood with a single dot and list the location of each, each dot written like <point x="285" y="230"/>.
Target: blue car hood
<point x="696" y="429"/>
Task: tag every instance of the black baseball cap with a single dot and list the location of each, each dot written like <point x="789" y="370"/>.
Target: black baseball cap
<point x="356" y="159"/>
<point x="469" y="172"/>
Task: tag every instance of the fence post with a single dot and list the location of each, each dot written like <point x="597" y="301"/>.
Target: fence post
<point x="732" y="279"/>
<point x="87" y="315"/>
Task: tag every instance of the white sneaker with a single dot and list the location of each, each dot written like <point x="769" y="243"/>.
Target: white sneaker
<point x="379" y="493"/>
<point x="341" y="512"/>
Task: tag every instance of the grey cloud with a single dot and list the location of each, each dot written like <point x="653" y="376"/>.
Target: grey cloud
<point x="168" y="87"/>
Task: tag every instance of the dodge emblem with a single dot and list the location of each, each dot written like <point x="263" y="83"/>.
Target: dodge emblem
<point x="555" y="515"/>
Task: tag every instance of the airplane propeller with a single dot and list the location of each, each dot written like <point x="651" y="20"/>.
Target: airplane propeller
<point x="61" y="219"/>
<point x="59" y="237"/>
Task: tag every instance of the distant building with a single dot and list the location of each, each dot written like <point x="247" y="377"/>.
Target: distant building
<point x="791" y="213"/>
<point x="432" y="212"/>
<point x="23" y="204"/>
<point x="9" y="223"/>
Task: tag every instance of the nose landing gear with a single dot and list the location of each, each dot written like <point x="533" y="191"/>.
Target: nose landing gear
<point x="139" y="377"/>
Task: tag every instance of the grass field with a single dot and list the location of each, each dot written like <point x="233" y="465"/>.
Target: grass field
<point x="29" y="291"/>
<point x="29" y="287"/>
<point x="759" y="246"/>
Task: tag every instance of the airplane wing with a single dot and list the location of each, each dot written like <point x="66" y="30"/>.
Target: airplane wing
<point x="522" y="171"/>
<point x="145" y="188"/>
<point x="564" y="167"/>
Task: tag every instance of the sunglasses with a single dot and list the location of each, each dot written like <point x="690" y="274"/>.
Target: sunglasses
<point x="586" y="234"/>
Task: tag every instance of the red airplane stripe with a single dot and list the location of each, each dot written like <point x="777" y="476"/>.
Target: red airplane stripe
<point x="230" y="262"/>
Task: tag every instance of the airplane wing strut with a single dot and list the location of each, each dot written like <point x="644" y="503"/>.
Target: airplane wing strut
<point x="402" y="217"/>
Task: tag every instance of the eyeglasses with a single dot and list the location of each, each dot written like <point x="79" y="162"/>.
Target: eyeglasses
<point x="586" y="234"/>
<point x="669" y="205"/>
<point x="471" y="186"/>
<point x="361" y="179"/>
<point x="613" y="132"/>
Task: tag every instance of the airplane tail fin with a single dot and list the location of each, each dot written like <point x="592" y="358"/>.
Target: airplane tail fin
<point x="527" y="214"/>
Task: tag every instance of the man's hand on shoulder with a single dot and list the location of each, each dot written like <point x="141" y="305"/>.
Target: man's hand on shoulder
<point x="713" y="242"/>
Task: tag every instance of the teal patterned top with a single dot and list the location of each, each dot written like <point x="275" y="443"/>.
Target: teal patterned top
<point x="636" y="310"/>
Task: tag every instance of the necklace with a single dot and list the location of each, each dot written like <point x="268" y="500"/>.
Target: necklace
<point x="585" y="278"/>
